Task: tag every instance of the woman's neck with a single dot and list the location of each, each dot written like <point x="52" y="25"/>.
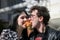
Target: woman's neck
<point x="19" y="31"/>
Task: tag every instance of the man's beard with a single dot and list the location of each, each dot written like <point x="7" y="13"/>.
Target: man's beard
<point x="37" y="25"/>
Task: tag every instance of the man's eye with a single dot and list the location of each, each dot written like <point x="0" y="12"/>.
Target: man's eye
<point x="31" y="15"/>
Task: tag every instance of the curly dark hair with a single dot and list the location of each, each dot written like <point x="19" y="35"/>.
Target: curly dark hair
<point x="42" y="11"/>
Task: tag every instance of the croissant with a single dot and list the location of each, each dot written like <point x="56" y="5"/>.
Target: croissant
<point x="28" y="23"/>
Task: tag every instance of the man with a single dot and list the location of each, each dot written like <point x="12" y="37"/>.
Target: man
<point x="39" y="18"/>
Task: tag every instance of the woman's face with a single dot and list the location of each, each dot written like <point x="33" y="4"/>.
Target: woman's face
<point x="21" y="18"/>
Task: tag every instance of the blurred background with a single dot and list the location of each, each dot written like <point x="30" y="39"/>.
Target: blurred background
<point x="7" y="8"/>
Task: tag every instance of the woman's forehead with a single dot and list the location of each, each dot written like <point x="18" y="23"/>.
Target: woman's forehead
<point x="23" y="14"/>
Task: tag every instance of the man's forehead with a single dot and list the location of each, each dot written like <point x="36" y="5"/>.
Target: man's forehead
<point x="34" y="12"/>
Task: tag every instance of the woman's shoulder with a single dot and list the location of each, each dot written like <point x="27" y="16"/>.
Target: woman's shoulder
<point x="8" y="31"/>
<point x="4" y="31"/>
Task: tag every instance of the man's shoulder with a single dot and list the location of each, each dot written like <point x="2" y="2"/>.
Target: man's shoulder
<point x="53" y="31"/>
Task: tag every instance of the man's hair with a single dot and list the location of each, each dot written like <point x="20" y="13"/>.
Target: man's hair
<point x="42" y="11"/>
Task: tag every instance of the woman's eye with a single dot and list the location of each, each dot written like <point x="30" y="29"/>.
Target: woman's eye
<point x="22" y="17"/>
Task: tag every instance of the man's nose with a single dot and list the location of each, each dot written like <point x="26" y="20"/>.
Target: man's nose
<point x="29" y="18"/>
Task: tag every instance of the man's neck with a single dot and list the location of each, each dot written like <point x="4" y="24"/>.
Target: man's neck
<point x="42" y="28"/>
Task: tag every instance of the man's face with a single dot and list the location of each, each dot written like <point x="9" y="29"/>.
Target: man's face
<point x="21" y="18"/>
<point x="34" y="18"/>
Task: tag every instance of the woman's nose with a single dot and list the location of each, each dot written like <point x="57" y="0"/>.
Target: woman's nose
<point x="25" y="19"/>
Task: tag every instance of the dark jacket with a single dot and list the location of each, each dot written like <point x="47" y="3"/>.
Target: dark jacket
<point x="50" y="34"/>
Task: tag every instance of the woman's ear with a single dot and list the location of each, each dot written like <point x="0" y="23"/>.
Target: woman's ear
<point x="41" y="18"/>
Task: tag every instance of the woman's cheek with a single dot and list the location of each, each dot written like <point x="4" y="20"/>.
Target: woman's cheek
<point x="19" y="22"/>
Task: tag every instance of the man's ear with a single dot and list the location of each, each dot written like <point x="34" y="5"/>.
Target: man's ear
<point x="41" y="18"/>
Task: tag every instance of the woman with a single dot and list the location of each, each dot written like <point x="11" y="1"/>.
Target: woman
<point x="13" y="32"/>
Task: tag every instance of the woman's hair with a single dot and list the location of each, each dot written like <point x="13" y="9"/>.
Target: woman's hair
<point x="13" y="23"/>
